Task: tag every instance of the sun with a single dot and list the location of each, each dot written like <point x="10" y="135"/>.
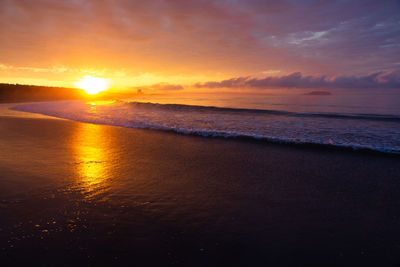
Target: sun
<point x="92" y="85"/>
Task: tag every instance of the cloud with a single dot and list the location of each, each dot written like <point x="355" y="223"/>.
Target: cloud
<point x="376" y="80"/>
<point x="53" y="69"/>
<point x="161" y="87"/>
<point x="214" y="38"/>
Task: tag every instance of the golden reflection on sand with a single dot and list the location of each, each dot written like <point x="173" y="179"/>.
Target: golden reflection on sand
<point x="91" y="158"/>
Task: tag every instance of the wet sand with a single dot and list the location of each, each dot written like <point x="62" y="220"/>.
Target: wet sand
<point x="83" y="194"/>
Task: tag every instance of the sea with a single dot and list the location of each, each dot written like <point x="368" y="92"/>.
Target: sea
<point x="87" y="194"/>
<point x="354" y="119"/>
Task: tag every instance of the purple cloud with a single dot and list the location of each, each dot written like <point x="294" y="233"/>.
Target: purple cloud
<point x="161" y="87"/>
<point x="232" y="37"/>
<point x="377" y="80"/>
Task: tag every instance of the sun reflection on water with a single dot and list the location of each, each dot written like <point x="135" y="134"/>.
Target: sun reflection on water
<point x="91" y="158"/>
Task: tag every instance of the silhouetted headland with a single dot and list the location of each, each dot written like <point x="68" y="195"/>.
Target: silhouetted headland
<point x="26" y="93"/>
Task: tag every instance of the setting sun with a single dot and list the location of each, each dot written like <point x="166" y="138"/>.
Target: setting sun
<point x="92" y="85"/>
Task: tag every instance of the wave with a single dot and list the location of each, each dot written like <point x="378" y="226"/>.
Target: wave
<point x="356" y="131"/>
<point x="195" y="108"/>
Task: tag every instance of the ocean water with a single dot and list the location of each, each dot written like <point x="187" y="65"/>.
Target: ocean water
<point x="83" y="194"/>
<point x="358" y="120"/>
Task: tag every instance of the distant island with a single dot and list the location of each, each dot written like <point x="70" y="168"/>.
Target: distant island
<point x="318" y="93"/>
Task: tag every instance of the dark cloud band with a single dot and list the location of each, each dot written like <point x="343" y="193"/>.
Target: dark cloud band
<point x="390" y="79"/>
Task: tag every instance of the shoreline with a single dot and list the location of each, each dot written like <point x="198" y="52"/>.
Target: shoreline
<point x="251" y="139"/>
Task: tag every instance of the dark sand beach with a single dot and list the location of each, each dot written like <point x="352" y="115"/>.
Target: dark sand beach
<point x="83" y="194"/>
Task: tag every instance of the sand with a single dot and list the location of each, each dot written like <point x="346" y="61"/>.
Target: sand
<point x="83" y="194"/>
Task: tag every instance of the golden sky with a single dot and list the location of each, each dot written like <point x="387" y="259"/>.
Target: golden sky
<point x="185" y="42"/>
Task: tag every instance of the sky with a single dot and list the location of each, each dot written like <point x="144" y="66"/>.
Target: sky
<point x="197" y="44"/>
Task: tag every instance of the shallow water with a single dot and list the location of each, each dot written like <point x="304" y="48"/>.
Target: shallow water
<point x="78" y="193"/>
<point x="372" y="131"/>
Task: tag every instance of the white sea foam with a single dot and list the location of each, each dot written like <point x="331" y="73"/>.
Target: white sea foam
<point x="381" y="133"/>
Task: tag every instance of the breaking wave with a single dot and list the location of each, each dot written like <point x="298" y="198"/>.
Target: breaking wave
<point x="357" y="131"/>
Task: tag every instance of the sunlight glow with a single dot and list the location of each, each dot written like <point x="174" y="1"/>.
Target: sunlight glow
<point x="90" y="146"/>
<point x="92" y="85"/>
